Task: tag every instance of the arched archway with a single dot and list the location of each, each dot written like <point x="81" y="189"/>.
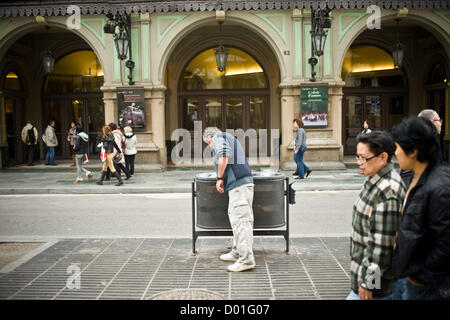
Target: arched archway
<point x="392" y="93"/>
<point x="23" y="45"/>
<point x="249" y="100"/>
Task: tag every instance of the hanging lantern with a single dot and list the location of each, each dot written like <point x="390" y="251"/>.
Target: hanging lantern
<point x="398" y="49"/>
<point x="221" y="58"/>
<point x="48" y="61"/>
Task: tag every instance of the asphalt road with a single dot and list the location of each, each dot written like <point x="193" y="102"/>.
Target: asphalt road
<point x="48" y="217"/>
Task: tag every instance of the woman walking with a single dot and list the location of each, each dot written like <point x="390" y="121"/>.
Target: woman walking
<point x="130" y="148"/>
<point x="299" y="150"/>
<point x="79" y="150"/>
<point x="111" y="149"/>
<point x="72" y="139"/>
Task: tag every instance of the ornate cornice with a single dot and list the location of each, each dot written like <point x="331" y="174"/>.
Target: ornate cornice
<point x="59" y="7"/>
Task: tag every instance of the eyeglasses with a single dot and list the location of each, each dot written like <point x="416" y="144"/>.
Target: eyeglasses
<point x="438" y="120"/>
<point x="364" y="160"/>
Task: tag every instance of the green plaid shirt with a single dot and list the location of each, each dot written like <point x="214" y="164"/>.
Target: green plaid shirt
<point x="375" y="221"/>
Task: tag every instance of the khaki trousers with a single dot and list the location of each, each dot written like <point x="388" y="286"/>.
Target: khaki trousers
<point x="240" y="213"/>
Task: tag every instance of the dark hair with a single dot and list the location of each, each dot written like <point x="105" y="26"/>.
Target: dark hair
<point x="50" y="122"/>
<point x="417" y="133"/>
<point x="113" y="126"/>
<point x="378" y="142"/>
<point x="368" y="123"/>
<point x="299" y="122"/>
<point x="78" y="128"/>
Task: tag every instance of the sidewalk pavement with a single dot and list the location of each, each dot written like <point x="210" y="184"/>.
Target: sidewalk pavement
<point x="41" y="179"/>
<point x="97" y="269"/>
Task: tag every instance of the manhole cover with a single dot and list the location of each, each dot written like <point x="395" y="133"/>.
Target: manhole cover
<point x="187" y="294"/>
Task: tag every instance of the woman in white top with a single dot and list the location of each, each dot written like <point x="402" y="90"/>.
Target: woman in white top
<point x="366" y="127"/>
<point x="130" y="148"/>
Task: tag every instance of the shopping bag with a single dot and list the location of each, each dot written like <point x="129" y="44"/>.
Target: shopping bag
<point x="103" y="155"/>
<point x="85" y="159"/>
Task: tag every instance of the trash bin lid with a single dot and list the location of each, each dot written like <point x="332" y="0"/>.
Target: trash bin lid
<point x="260" y="175"/>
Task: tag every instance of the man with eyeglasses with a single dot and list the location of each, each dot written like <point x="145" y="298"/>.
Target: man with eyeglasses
<point x="376" y="218"/>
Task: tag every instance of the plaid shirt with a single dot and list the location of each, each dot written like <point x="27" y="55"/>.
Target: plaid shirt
<point x="375" y="221"/>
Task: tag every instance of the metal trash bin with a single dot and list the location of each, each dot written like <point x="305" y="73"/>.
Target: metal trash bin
<point x="272" y="195"/>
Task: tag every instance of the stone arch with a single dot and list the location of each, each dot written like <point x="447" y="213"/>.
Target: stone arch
<point x="186" y="27"/>
<point x="425" y="21"/>
<point x="12" y="32"/>
<point x="384" y="45"/>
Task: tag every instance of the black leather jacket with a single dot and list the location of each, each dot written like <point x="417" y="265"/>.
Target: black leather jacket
<point x="109" y="144"/>
<point x="423" y="243"/>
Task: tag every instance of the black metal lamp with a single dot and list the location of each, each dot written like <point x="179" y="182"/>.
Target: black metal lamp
<point x="221" y="54"/>
<point x="122" y="41"/>
<point x="122" y="38"/>
<point x="48" y="61"/>
<point x="221" y="58"/>
<point x="319" y="20"/>
<point x="398" y="49"/>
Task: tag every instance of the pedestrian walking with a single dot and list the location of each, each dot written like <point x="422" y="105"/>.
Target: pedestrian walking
<point x="50" y="139"/>
<point x="119" y="162"/>
<point x="72" y="138"/>
<point x="234" y="175"/>
<point x="434" y="117"/>
<point x="375" y="218"/>
<point x="111" y="150"/>
<point x="80" y="150"/>
<point x="299" y="151"/>
<point x="130" y="151"/>
<point x="422" y="253"/>
<point x="366" y="127"/>
<point x="30" y="139"/>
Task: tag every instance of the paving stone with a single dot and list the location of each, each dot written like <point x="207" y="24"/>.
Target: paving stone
<point x="317" y="268"/>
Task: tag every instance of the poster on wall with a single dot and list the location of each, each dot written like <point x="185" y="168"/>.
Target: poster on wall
<point x="314" y="106"/>
<point x="131" y="107"/>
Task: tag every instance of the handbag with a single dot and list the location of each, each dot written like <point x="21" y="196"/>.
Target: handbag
<point x="85" y="159"/>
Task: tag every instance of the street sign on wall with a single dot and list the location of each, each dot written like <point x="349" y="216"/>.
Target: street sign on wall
<point x="314" y="106"/>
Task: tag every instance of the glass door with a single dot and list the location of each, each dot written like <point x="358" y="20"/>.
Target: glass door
<point x="353" y="119"/>
<point x="234" y="113"/>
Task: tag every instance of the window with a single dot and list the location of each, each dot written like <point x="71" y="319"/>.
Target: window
<point x="242" y="72"/>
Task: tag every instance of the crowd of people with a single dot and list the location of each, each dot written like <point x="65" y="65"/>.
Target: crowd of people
<point x="119" y="149"/>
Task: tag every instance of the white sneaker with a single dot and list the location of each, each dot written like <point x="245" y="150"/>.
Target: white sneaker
<point x="238" y="267"/>
<point x="229" y="257"/>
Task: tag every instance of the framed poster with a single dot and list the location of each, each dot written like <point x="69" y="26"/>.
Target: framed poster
<point x="314" y="106"/>
<point x="131" y="107"/>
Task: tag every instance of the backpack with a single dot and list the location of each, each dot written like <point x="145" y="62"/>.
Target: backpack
<point x="31" y="138"/>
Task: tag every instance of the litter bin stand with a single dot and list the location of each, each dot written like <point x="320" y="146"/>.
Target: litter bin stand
<point x="278" y="229"/>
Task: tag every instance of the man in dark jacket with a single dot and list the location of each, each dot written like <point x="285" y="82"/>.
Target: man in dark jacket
<point x="422" y="253"/>
<point x="234" y="175"/>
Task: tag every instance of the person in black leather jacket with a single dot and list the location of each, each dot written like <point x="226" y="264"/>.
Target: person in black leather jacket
<point x="422" y="253"/>
<point x="109" y="145"/>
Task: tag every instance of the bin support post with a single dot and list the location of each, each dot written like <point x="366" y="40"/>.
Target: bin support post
<point x="286" y="236"/>
<point x="194" y="235"/>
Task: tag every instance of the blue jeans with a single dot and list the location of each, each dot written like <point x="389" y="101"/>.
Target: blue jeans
<point x="399" y="289"/>
<point x="50" y="156"/>
<point x="437" y="291"/>
<point x="301" y="166"/>
<point x="354" y="296"/>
